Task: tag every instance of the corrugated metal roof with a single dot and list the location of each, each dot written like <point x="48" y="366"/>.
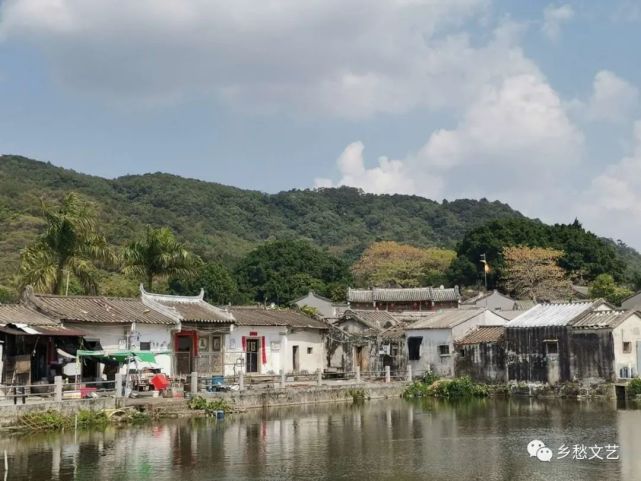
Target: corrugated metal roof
<point x="403" y="295"/>
<point x="259" y="316"/>
<point x="97" y="309"/>
<point x="19" y="314"/>
<point x="440" y="319"/>
<point x="602" y="319"/>
<point x="483" y="334"/>
<point x="553" y="314"/>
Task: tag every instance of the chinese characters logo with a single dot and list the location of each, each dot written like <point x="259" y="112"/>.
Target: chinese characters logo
<point x="578" y="452"/>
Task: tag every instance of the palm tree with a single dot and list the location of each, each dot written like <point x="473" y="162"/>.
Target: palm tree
<point x="69" y="245"/>
<point x="159" y="254"/>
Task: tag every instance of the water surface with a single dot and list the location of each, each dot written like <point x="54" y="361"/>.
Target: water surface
<point x="379" y="440"/>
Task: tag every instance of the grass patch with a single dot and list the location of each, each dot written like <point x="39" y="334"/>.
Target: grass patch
<point x="209" y="406"/>
<point x="56" y="421"/>
<point x="357" y="395"/>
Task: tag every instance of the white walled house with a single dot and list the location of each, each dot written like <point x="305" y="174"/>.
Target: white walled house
<point x="264" y="341"/>
<point x="199" y="342"/>
<point x="111" y="325"/>
<point x="431" y="337"/>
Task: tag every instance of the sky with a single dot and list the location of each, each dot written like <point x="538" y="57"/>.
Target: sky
<point x="531" y="103"/>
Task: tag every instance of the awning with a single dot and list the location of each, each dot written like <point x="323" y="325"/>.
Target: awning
<point x="122" y="356"/>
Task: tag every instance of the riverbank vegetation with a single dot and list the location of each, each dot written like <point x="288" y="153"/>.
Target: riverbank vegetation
<point x="210" y="407"/>
<point x="457" y="388"/>
<point x="57" y="421"/>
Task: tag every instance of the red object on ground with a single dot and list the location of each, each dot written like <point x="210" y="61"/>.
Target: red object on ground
<point x="159" y="382"/>
<point x="84" y="391"/>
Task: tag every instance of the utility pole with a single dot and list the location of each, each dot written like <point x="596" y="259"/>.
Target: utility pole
<point x="484" y="262"/>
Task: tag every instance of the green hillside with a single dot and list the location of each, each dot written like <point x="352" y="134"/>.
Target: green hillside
<point x="223" y="223"/>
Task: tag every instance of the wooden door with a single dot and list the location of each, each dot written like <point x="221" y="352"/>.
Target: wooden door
<point x="295" y="359"/>
<point x="251" y="356"/>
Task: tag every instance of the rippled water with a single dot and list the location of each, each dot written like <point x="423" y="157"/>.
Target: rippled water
<point x="379" y="440"/>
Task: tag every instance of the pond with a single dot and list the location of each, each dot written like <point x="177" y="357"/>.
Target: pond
<point x="378" y="440"/>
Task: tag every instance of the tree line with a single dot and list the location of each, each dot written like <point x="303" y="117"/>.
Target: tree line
<point x="524" y="258"/>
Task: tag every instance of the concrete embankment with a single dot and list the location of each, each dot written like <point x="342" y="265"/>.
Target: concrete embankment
<point x="240" y="400"/>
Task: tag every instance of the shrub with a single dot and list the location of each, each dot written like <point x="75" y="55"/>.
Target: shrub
<point x="358" y="395"/>
<point x="634" y="387"/>
<point x="446" y="388"/>
<point x="210" y="407"/>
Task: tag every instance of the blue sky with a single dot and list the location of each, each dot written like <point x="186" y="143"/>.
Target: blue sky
<point x="531" y="103"/>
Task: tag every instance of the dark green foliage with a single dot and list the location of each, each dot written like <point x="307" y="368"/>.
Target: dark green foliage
<point x="219" y="284"/>
<point x="222" y="224"/>
<point x="634" y="387"/>
<point x="281" y="271"/>
<point x="586" y="255"/>
<point x="7" y="295"/>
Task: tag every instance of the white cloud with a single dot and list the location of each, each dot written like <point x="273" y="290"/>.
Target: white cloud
<point x="515" y="141"/>
<point x="613" y="99"/>
<point x="612" y="203"/>
<point x="554" y="17"/>
<point x="345" y="58"/>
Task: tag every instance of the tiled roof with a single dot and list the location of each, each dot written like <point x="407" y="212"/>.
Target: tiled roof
<point x="95" y="309"/>
<point x="18" y="314"/>
<point x="403" y="295"/>
<point x="445" y="319"/>
<point x="553" y="314"/>
<point x="483" y="334"/>
<point x="602" y="319"/>
<point x="189" y="308"/>
<point x="378" y="320"/>
<point x="260" y="316"/>
<point x="481" y="296"/>
<point x="508" y="315"/>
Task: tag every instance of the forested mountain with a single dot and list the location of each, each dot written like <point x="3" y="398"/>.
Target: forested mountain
<point x="222" y="223"/>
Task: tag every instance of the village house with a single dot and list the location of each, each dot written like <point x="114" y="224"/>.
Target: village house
<point x="399" y="300"/>
<point x="198" y="343"/>
<point x="431" y="336"/>
<point x="494" y="300"/>
<point x="32" y="346"/>
<point x="481" y="355"/>
<point x="562" y="342"/>
<point x="266" y="341"/>
<point x="111" y="325"/>
<point x="369" y="340"/>
<point x="325" y="308"/>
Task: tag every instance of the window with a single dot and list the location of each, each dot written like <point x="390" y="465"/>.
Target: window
<point x="216" y="344"/>
<point x="461" y="352"/>
<point x="627" y="346"/>
<point x="444" y="350"/>
<point x="310" y="350"/>
<point x="414" y="348"/>
<point x="551" y="347"/>
<point x="145" y="346"/>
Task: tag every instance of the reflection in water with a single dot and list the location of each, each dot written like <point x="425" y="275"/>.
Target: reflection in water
<point x="380" y="440"/>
